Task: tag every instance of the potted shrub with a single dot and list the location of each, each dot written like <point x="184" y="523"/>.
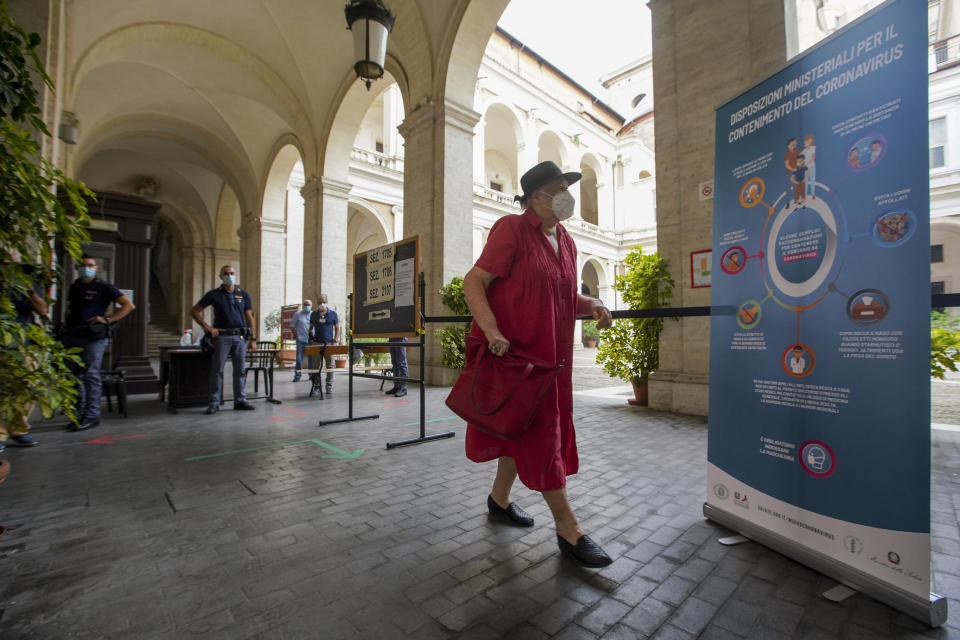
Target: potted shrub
<point x="453" y="336"/>
<point x="944" y="344"/>
<point x="590" y="333"/>
<point x="630" y="349"/>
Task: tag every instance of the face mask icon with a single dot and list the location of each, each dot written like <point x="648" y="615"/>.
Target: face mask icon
<point x="816" y="458"/>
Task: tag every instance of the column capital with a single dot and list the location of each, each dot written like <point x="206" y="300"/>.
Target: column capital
<point x="311" y="187"/>
<point x="317" y="186"/>
<point x="335" y="188"/>
<point x="453" y="113"/>
<point x="253" y="224"/>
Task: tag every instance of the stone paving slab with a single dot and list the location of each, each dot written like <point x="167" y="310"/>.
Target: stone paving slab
<point x="291" y="539"/>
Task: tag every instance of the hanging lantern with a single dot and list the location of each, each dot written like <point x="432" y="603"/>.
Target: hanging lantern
<point x="370" y="23"/>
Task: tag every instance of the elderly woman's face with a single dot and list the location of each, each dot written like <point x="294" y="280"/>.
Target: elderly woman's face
<point x="546" y="192"/>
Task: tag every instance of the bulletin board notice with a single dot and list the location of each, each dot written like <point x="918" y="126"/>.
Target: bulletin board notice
<point x="385" y="292"/>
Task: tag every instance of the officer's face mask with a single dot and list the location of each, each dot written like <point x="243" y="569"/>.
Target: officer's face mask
<point x="229" y="279"/>
<point x="88" y="272"/>
<point x="562" y="204"/>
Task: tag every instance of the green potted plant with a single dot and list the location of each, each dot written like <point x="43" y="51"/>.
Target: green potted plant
<point x="33" y="364"/>
<point x="944" y="344"/>
<point x="630" y="348"/>
<point x="590" y="335"/>
<point x="453" y="336"/>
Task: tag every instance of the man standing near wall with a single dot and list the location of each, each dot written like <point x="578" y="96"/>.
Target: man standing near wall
<point x="89" y="328"/>
<point x="232" y="328"/>
<point x="301" y="326"/>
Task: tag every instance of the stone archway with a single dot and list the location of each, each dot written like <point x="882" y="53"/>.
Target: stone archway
<point x="367" y="229"/>
<point x="267" y="241"/>
<point x="326" y="197"/>
<point x="589" y="191"/>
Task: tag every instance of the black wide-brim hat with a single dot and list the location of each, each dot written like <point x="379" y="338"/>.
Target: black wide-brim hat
<point x="542" y="174"/>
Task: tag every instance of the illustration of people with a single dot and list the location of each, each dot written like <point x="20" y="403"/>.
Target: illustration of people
<point x="853" y="158"/>
<point x="893" y="227"/>
<point x="790" y="161"/>
<point x="753" y="193"/>
<point x="810" y="162"/>
<point x="875" y="149"/>
<point x="733" y="261"/>
<point x="798" y="180"/>
<point x="798" y="363"/>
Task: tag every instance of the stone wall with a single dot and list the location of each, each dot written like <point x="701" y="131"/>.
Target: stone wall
<point x="704" y="53"/>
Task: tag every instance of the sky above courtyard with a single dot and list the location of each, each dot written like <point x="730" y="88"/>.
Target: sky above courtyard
<point x="585" y="40"/>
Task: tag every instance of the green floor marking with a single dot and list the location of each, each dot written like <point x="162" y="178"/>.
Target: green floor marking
<point x="337" y="453"/>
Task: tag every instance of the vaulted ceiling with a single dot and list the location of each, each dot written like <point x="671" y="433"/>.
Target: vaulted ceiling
<point x="201" y="95"/>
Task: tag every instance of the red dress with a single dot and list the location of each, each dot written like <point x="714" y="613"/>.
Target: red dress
<point x="534" y="301"/>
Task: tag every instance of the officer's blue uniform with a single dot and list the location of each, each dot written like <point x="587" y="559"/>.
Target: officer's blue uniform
<point x="88" y="300"/>
<point x="229" y="319"/>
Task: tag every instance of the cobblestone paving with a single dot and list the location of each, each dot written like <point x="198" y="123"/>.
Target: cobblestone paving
<point x="277" y="536"/>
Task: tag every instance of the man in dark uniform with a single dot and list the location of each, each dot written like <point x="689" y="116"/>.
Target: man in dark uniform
<point x="325" y="329"/>
<point x="88" y="328"/>
<point x="232" y="327"/>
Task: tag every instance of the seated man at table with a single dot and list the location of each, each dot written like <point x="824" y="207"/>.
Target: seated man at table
<point x="325" y="329"/>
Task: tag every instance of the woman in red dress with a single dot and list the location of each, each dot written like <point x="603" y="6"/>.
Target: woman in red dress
<point x="523" y="295"/>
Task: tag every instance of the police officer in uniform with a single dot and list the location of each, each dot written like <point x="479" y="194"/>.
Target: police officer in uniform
<point x="88" y="328"/>
<point x="232" y="327"/>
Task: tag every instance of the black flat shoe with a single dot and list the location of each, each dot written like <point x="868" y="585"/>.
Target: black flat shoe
<point x="587" y="553"/>
<point x="212" y="409"/>
<point x="243" y="406"/>
<point x="400" y="393"/>
<point x="86" y="424"/>
<point x="515" y="514"/>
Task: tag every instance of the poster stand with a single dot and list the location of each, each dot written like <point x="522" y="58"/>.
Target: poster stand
<point x="420" y="380"/>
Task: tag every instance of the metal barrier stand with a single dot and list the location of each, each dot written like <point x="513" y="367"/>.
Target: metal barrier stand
<point x="423" y="390"/>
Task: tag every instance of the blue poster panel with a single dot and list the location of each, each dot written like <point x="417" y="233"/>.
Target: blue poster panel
<point x="820" y="375"/>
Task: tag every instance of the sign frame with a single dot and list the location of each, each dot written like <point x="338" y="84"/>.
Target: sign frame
<point x="386" y="319"/>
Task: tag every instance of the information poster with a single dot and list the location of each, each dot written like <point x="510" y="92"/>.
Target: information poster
<point x="287" y="332"/>
<point x="819" y="382"/>
<point x="701" y="268"/>
<point x="380" y="274"/>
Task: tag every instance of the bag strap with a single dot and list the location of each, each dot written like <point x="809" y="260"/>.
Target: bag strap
<point x="527" y="370"/>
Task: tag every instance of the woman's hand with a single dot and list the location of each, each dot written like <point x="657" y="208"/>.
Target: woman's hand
<point x="602" y="315"/>
<point x="497" y="344"/>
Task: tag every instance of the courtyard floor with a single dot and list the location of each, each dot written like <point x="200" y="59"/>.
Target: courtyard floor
<point x="265" y="525"/>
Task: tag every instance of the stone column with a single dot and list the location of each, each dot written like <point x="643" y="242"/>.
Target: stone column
<point x="293" y="243"/>
<point x="746" y="41"/>
<point x="262" y="265"/>
<point x="392" y="115"/>
<point x="325" y="241"/>
<point x="438" y="201"/>
<point x="193" y="285"/>
<point x="479" y="154"/>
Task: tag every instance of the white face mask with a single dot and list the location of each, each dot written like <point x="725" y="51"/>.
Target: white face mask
<point x="229" y="280"/>
<point x="562" y="204"/>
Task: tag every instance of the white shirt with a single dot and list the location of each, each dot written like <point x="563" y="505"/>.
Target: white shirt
<point x="797" y="365"/>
